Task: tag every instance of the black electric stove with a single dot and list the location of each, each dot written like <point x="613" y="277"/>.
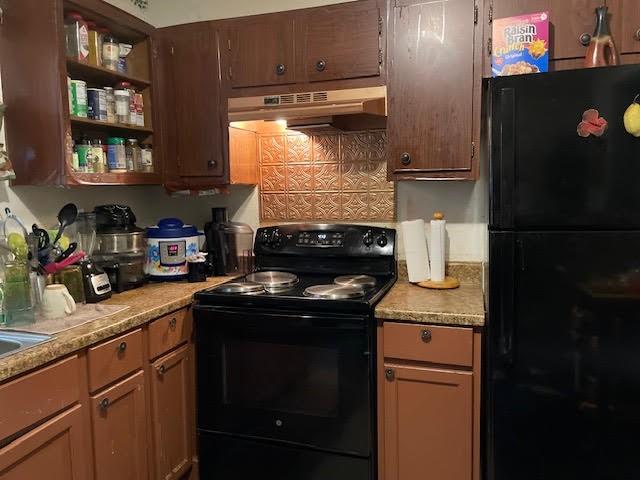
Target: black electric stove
<point x="286" y="356"/>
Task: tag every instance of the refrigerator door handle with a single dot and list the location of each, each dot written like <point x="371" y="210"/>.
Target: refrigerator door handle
<point x="505" y="263"/>
<point x="504" y="153"/>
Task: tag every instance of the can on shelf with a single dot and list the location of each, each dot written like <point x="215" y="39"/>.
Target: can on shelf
<point x="97" y="104"/>
<point x="78" y="98"/>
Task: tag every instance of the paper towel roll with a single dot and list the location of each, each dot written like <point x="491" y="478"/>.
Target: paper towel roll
<point x="437" y="247"/>
<point x="415" y="250"/>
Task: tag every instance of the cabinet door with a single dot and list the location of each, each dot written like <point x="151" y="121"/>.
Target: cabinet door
<point x="626" y="12"/>
<point x="55" y="450"/>
<point x="570" y="20"/>
<point x="342" y="41"/>
<point x="428" y="426"/>
<point x="172" y="413"/>
<point x="200" y="110"/>
<point x="431" y="88"/>
<point x="118" y="418"/>
<point x="262" y="50"/>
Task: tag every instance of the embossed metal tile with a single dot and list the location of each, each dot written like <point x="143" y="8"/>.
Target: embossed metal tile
<point x="341" y="176"/>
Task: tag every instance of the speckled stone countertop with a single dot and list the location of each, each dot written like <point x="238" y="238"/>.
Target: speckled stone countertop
<point x="462" y="306"/>
<point x="145" y="304"/>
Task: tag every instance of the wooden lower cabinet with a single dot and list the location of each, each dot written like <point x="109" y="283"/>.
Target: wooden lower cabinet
<point x="172" y="413"/>
<point x="119" y="423"/>
<point x="428" y="423"/>
<point x="54" y="450"/>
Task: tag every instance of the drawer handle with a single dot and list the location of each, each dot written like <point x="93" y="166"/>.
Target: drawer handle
<point x="425" y="335"/>
<point x="280" y="69"/>
<point x="123" y="346"/>
<point x="212" y="164"/>
<point x="161" y="370"/>
<point x="172" y="323"/>
<point x="104" y="403"/>
<point x="321" y="65"/>
<point x="405" y="159"/>
<point x="636" y="36"/>
<point x="389" y="374"/>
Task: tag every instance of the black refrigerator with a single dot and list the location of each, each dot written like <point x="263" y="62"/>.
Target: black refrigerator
<point x="562" y="379"/>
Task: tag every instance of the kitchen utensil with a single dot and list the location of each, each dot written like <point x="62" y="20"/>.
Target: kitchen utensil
<point x="42" y="235"/>
<point x="16" y="219"/>
<point x="57" y="302"/>
<point x="72" y="248"/>
<point x="53" y="267"/>
<point x="168" y="246"/>
<point x="66" y="216"/>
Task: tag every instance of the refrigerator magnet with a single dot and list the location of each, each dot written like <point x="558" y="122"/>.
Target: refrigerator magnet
<point x="592" y="124"/>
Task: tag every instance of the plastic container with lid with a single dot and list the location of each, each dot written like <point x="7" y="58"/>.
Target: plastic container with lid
<point x="146" y="158"/>
<point x="122" y="105"/>
<point x="116" y="156"/>
<point x="169" y="244"/>
<point x="110" y="52"/>
<point x="77" y="37"/>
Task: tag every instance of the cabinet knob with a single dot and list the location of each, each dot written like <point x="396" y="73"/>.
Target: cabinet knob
<point x="281" y="68"/>
<point x="161" y="369"/>
<point x="104" y="403"/>
<point x="122" y="347"/>
<point x="425" y="335"/>
<point x="637" y="35"/>
<point x="405" y="159"/>
<point x="321" y="65"/>
<point x="585" y="39"/>
<point x="172" y="323"/>
<point x="212" y="163"/>
<point x="389" y="374"/>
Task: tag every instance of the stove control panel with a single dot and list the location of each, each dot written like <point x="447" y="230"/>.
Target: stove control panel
<point x="323" y="239"/>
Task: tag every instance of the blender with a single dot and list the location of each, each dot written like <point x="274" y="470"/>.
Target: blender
<point x="96" y="282"/>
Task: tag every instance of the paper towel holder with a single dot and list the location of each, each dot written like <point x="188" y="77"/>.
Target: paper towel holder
<point x="448" y="282"/>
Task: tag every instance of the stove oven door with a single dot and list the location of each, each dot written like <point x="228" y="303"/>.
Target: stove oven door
<point x="302" y="379"/>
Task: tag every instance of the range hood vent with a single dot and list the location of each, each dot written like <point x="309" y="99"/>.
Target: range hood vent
<point x="310" y="105"/>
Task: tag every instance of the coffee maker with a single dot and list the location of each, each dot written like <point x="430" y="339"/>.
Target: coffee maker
<point x="229" y="245"/>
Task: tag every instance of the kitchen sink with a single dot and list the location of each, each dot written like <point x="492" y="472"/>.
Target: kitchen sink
<point x="13" y="342"/>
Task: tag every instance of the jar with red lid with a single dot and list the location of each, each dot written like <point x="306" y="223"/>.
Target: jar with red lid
<point x="77" y="37"/>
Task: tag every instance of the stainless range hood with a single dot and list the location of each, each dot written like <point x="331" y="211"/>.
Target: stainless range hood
<point x="311" y="108"/>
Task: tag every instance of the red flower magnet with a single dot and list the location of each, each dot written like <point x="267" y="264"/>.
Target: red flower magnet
<point x="592" y="124"/>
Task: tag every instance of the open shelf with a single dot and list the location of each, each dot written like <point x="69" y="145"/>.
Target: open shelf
<point x="108" y="127"/>
<point x="128" y="178"/>
<point x="101" y="76"/>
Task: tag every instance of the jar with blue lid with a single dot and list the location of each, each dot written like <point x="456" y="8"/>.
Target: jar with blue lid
<point x="169" y="244"/>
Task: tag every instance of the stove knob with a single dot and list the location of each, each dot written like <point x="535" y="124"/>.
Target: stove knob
<point x="382" y="240"/>
<point x="368" y="239"/>
<point x="264" y="238"/>
<point x="276" y="239"/>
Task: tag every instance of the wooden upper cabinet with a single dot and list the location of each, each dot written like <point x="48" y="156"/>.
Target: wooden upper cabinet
<point x="341" y="41"/>
<point x="570" y="20"/>
<point x="428" y="423"/>
<point x="118" y="417"/>
<point x="625" y="15"/>
<point x="173" y="413"/>
<point x="433" y="95"/>
<point x="200" y="118"/>
<point x="262" y="50"/>
<point x="54" y="450"/>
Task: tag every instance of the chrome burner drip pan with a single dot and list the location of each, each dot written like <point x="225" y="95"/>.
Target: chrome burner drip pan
<point x="246" y="288"/>
<point x="362" y="281"/>
<point x="273" y="281"/>
<point x="334" y="292"/>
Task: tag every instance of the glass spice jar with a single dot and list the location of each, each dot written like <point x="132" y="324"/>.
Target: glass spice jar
<point x="110" y="53"/>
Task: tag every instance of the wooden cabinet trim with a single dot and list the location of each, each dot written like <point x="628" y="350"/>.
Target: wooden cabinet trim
<point x="444" y="345"/>
<point x="35" y="396"/>
<point x="23" y="452"/>
<point x="169" y="331"/>
<point x="113" y="359"/>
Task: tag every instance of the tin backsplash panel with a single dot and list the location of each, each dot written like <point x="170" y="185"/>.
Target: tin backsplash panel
<point x="337" y="176"/>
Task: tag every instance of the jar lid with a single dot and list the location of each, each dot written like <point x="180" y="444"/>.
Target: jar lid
<point x="171" y="228"/>
<point x="132" y="140"/>
<point x="121" y="92"/>
<point x="123" y="85"/>
<point x="109" y="38"/>
<point x="115" y="141"/>
<point x="97" y="141"/>
<point x="91" y="24"/>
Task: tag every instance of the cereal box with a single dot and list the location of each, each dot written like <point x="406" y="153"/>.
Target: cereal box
<point x="520" y="44"/>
